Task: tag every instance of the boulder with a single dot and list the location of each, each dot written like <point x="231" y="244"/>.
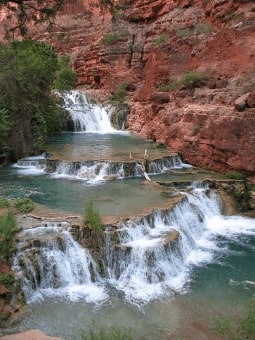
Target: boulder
<point x="241" y="102"/>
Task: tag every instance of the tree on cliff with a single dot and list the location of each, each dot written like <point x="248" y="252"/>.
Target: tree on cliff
<point x="19" y="12"/>
<point x="29" y="112"/>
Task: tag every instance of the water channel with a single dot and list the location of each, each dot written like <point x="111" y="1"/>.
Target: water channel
<point x="154" y="292"/>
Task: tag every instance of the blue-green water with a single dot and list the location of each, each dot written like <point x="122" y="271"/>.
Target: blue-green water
<point x="219" y="287"/>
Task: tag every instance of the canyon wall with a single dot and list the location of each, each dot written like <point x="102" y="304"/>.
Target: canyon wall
<point x="149" y="44"/>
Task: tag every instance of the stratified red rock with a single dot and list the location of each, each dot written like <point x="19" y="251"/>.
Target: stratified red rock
<point x="150" y="43"/>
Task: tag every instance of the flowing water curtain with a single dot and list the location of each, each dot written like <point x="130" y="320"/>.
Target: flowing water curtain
<point x="86" y="117"/>
<point x="51" y="263"/>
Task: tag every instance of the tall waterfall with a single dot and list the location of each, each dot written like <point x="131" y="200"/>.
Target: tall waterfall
<point x="86" y="117"/>
<point x="146" y="258"/>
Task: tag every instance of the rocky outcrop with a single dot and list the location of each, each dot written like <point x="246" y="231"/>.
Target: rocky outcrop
<point x="149" y="44"/>
<point x="210" y="135"/>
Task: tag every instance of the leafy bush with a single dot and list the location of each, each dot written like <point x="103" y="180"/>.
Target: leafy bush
<point x="7" y="279"/>
<point x="28" y="70"/>
<point x="24" y="204"/>
<point x="189" y="79"/>
<point x="5" y="124"/>
<point x="193" y="79"/>
<point x="235" y="175"/>
<point x="119" y="95"/>
<point x="110" y="38"/>
<point x="183" y="33"/>
<point x="65" y="78"/>
<point x="7" y="229"/>
<point x="169" y="86"/>
<point x="3" y="202"/>
<point x="92" y="218"/>
<point x="161" y="39"/>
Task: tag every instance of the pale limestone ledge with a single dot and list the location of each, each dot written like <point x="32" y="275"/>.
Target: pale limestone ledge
<point x="29" y="335"/>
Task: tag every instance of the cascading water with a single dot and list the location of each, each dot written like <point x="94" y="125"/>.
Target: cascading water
<point x="31" y="165"/>
<point x="86" y="117"/>
<point x="153" y="258"/>
<point x="155" y="254"/>
<point x="96" y="171"/>
<point x="54" y="265"/>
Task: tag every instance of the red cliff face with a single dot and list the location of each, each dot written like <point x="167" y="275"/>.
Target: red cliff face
<point x="150" y="43"/>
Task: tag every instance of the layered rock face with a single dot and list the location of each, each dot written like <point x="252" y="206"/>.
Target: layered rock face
<point x="148" y="45"/>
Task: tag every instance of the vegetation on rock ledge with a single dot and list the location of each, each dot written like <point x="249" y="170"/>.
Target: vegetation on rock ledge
<point x="92" y="218"/>
<point x="7" y="230"/>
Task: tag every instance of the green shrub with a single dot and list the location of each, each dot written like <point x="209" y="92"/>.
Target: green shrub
<point x="5" y="124"/>
<point x="193" y="79"/>
<point x="119" y="95"/>
<point x="161" y="39"/>
<point x="24" y="204"/>
<point x="110" y="38"/>
<point x="197" y="128"/>
<point x="7" y="230"/>
<point x="183" y="33"/>
<point x="235" y="175"/>
<point x="169" y="86"/>
<point x="7" y="279"/>
<point x="92" y="218"/>
<point x="160" y="146"/>
<point x="65" y="77"/>
<point x="3" y="202"/>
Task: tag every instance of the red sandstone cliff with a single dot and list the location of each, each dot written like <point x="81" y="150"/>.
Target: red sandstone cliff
<point x="154" y="42"/>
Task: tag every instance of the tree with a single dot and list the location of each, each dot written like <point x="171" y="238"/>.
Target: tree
<point x="21" y="12"/>
<point x="65" y="77"/>
<point x="27" y="74"/>
<point x="5" y="124"/>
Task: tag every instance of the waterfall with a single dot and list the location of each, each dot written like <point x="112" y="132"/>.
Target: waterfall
<point x="156" y="253"/>
<point x="86" y="117"/>
<point x="166" y="163"/>
<point x="54" y="265"/>
<point x="98" y="171"/>
<point x="34" y="165"/>
<point x="146" y="258"/>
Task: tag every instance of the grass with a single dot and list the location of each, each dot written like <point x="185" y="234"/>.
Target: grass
<point x="102" y="333"/>
<point x="92" y="218"/>
<point x="3" y="202"/>
<point x="7" y="230"/>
